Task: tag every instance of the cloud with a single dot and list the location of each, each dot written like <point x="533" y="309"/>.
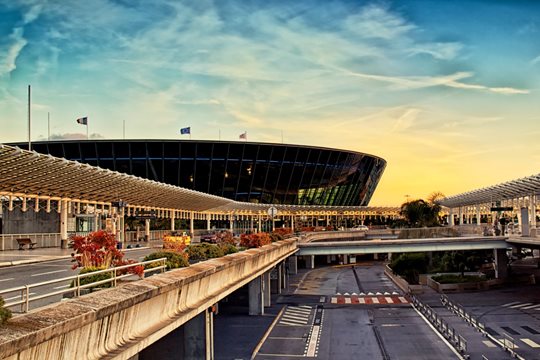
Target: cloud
<point x="536" y="60"/>
<point x="375" y="21"/>
<point x="16" y="43"/>
<point x="75" y="136"/>
<point x="440" y="51"/>
<point x="406" y="120"/>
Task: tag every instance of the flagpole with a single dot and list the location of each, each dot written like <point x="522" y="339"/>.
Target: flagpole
<point x="282" y="136"/>
<point x="48" y="126"/>
<point x="86" y="129"/>
<point x="29" y="120"/>
<point x="219" y="134"/>
<point x="124" y="130"/>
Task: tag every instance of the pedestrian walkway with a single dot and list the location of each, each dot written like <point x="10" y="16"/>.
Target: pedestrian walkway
<point x="478" y="344"/>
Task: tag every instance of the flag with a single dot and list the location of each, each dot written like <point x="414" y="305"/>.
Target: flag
<point x="185" y="131"/>
<point x="243" y="136"/>
<point x="83" y="120"/>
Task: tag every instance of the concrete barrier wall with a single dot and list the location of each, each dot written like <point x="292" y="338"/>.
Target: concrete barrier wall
<point x="118" y="323"/>
<point x="402" y="283"/>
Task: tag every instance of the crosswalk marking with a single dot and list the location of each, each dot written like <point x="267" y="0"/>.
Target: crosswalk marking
<point x="334" y="300"/>
<point x="511" y="303"/>
<point x="509" y="343"/>
<point x="402" y="299"/>
<point x="347" y="300"/>
<point x="362" y="300"/>
<point x="532" y="307"/>
<point x="489" y="344"/>
<point x="368" y="300"/>
<point x="519" y="306"/>
<point x="375" y="300"/>
<point x="388" y="300"/>
<point x="531" y="343"/>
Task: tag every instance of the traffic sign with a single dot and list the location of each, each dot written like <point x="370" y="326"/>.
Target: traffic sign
<point x="272" y="212"/>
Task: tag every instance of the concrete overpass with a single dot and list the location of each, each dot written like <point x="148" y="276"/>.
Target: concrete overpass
<point x="124" y="322"/>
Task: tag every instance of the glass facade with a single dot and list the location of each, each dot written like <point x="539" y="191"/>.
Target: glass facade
<point x="242" y="171"/>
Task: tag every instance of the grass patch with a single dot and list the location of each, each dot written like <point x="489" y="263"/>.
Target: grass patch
<point x="457" y="279"/>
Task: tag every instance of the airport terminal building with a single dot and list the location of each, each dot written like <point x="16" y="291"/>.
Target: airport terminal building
<point x="251" y="172"/>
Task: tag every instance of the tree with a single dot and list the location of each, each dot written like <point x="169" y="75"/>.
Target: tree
<point x="419" y="213"/>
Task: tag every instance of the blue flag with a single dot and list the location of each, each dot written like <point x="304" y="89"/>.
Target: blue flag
<point x="185" y="131"/>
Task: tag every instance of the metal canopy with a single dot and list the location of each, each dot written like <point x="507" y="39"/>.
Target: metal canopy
<point x="514" y="189"/>
<point x="31" y="174"/>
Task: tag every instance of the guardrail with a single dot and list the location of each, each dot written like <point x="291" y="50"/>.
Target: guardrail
<point x="441" y="325"/>
<point x="508" y="343"/>
<point x="117" y="273"/>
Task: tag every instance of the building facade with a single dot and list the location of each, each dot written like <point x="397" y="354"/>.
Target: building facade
<point x="242" y="171"/>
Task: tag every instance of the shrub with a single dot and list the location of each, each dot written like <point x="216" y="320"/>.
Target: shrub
<point x="225" y="237"/>
<point x="228" y="248"/>
<point x="456" y="279"/>
<point x="283" y="232"/>
<point x="5" y="314"/>
<point x="174" y="260"/>
<point x="255" y="240"/>
<point x="94" y="278"/>
<point x="410" y="266"/>
<point x="200" y="252"/>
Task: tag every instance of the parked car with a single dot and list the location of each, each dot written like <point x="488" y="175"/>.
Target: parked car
<point x="360" y="228"/>
<point x="210" y="238"/>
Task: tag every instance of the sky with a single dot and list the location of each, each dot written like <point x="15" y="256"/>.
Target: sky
<point x="447" y="92"/>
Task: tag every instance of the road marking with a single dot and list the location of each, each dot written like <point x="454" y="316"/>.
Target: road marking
<point x="322" y="299"/>
<point x="286" y="323"/>
<point x="18" y="296"/>
<point x="489" y="344"/>
<point x="361" y="300"/>
<point x="62" y="287"/>
<point x="297" y="321"/>
<point x="6" y="279"/>
<point x="281" y="355"/>
<point x="375" y="300"/>
<point x="303" y="307"/>
<point x="313" y="340"/>
<point x="402" y="299"/>
<point x="347" y="300"/>
<point x="512" y="303"/>
<point x="389" y="300"/>
<point x="295" y="317"/>
<point x="285" y="338"/>
<point x="333" y="300"/>
<point x="298" y="311"/>
<point x="519" y="306"/>
<point x="530" y="343"/>
<point x="532" y="307"/>
<point x="49" y="272"/>
<point x="508" y="343"/>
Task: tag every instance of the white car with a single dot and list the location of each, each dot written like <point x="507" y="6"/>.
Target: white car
<point x="360" y="228"/>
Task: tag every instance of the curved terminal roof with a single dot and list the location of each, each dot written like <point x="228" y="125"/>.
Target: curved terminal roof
<point x="31" y="174"/>
<point x="514" y="189"/>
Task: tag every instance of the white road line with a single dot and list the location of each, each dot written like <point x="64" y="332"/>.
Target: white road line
<point x="519" y="306"/>
<point x="322" y="299"/>
<point x="303" y="318"/>
<point x="304" y="307"/>
<point x="531" y="343"/>
<point x="313" y="340"/>
<point x="347" y="300"/>
<point x="6" y="279"/>
<point x="298" y="313"/>
<point x="512" y="303"/>
<point x="389" y="300"/>
<point x="489" y="344"/>
<point x="402" y="299"/>
<point x="18" y="297"/>
<point x="299" y="309"/>
<point x="290" y="324"/>
<point x="61" y="287"/>
<point x="361" y="300"/>
<point x="49" y="272"/>
<point x="375" y="300"/>
<point x="532" y="307"/>
<point x="333" y="300"/>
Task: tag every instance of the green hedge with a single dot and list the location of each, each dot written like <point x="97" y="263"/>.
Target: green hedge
<point x="174" y="260"/>
<point x="5" y="314"/>
<point x="228" y="248"/>
<point x="204" y="251"/>
<point x="94" y="278"/>
<point x="456" y="279"/>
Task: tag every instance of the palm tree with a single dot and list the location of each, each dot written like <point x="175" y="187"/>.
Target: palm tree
<point x="419" y="213"/>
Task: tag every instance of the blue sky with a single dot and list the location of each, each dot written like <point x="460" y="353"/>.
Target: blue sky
<point x="446" y="91"/>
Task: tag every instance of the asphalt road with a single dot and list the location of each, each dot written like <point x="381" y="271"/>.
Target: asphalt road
<point x="21" y="275"/>
<point x="351" y="313"/>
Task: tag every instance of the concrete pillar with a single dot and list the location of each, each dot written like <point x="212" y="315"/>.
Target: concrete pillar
<point x="532" y="211"/>
<point x="259" y="225"/>
<point x="293" y="264"/>
<point x="389" y="256"/>
<point x="524" y="221"/>
<point x="256" y="296"/>
<point x="251" y="223"/>
<point x="147" y="229"/>
<point x="121" y="226"/>
<point x="292" y="223"/>
<point x="192" y="341"/>
<point x="284" y="275"/>
<point x="172" y="221"/>
<point x="267" y="289"/>
<point x="279" y="277"/>
<point x="450" y="217"/>
<point x="460" y="212"/>
<point x="478" y="215"/>
<point x="231" y="222"/>
<point x="63" y="224"/>
<point x="191" y="226"/>
<point x="310" y="261"/>
<point x="208" y="221"/>
<point x="501" y="263"/>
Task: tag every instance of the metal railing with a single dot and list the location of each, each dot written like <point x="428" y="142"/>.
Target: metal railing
<point x="507" y="343"/>
<point x="9" y="241"/>
<point x="441" y="325"/>
<point x="117" y="273"/>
